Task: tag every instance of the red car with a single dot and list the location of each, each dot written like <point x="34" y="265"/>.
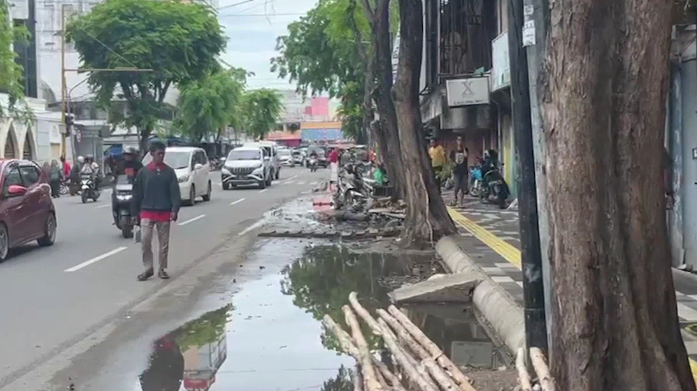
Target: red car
<point x="26" y="209"/>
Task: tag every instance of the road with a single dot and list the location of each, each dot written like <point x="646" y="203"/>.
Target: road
<point x="55" y="297"/>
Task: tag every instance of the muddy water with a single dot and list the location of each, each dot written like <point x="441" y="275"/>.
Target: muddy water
<point x="270" y="337"/>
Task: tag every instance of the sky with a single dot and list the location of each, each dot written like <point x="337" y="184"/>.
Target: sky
<point x="252" y="29"/>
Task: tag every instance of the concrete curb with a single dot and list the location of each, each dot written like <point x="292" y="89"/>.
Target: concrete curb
<point x="491" y="300"/>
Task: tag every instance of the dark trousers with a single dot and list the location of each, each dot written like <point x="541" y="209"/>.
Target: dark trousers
<point x="55" y="188"/>
<point x="436" y="176"/>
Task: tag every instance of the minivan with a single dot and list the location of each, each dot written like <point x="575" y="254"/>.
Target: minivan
<point x="192" y="169"/>
<point x="272" y="151"/>
<point x="246" y="166"/>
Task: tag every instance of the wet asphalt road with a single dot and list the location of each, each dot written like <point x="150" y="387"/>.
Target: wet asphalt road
<point x="54" y="298"/>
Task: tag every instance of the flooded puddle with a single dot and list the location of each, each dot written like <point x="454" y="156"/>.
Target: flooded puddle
<point x="270" y="336"/>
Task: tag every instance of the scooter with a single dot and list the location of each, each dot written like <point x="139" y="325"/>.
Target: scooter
<point x="475" y="184"/>
<point x="88" y="188"/>
<point x="121" y="205"/>
<point x="313" y="164"/>
<point x="496" y="188"/>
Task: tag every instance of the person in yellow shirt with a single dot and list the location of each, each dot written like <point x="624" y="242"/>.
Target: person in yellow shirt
<point x="438" y="160"/>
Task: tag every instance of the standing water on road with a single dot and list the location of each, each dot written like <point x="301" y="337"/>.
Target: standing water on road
<point x="270" y="337"/>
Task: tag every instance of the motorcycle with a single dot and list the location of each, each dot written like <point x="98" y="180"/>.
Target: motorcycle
<point x="496" y="188"/>
<point x="313" y="164"/>
<point x="475" y="184"/>
<point x="121" y="205"/>
<point x="352" y="191"/>
<point x="88" y="188"/>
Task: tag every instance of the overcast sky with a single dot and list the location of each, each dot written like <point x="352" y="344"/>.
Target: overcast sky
<point x="252" y="29"/>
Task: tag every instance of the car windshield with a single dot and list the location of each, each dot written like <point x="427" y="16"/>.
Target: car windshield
<point x="284" y="152"/>
<point x="243" y="155"/>
<point x="174" y="159"/>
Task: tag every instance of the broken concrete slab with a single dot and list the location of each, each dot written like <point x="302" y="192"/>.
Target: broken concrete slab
<point x="453" y="288"/>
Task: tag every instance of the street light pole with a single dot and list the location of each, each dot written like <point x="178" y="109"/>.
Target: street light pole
<point x="63" y="91"/>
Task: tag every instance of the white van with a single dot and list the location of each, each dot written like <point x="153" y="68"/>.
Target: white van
<point x="272" y="149"/>
<point x="192" y="169"/>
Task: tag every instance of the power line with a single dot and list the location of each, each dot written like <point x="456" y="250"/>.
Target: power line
<point x="234" y="4"/>
<point x="107" y="47"/>
<point x="263" y="15"/>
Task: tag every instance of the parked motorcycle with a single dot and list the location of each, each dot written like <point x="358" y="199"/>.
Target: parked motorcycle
<point x="121" y="205"/>
<point x="88" y="188"/>
<point x="496" y="188"/>
<point x="352" y="190"/>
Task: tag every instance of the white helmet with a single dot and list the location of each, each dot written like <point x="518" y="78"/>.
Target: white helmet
<point x="80" y="159"/>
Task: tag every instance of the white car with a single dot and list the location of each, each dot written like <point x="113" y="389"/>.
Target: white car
<point x="271" y="149"/>
<point x="246" y="166"/>
<point x="285" y="155"/>
<point x="192" y="169"/>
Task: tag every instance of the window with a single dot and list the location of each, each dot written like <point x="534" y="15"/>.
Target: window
<point x="30" y="175"/>
<point x="203" y="158"/>
<point x="13" y="177"/>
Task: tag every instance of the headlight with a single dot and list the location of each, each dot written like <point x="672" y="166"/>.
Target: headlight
<point x="225" y="171"/>
<point x="183" y="178"/>
<point x="124" y="197"/>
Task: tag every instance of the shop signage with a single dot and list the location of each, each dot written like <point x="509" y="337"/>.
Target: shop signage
<point x="501" y="69"/>
<point x="467" y="92"/>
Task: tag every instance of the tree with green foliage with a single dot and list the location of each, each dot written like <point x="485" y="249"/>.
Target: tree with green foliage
<point x="261" y="111"/>
<point x="207" y="106"/>
<point x="319" y="54"/>
<point x="10" y="71"/>
<point x="177" y="41"/>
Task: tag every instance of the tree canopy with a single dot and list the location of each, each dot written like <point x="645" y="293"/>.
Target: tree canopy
<point x="319" y="54"/>
<point x="11" y="71"/>
<point x="177" y="41"/>
<point x="261" y="111"/>
<point x="207" y="106"/>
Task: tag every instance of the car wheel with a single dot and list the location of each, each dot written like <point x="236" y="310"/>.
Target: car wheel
<point x="49" y="231"/>
<point x="268" y="181"/>
<point x="4" y="242"/>
<point x="192" y="196"/>
<point x="207" y="196"/>
<point x="226" y="186"/>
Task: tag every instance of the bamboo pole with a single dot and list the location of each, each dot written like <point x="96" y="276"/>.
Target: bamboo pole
<point x="347" y="345"/>
<point x="462" y="380"/>
<point x="523" y="375"/>
<point x="462" y="383"/>
<point x="400" y="356"/>
<point x="416" y="372"/>
<point x="357" y="378"/>
<point x="540" y="365"/>
<point x="371" y="382"/>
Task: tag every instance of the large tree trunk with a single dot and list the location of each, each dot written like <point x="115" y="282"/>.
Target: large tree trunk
<point x="379" y="19"/>
<point x="427" y="218"/>
<point x="368" y="66"/>
<point x="615" y="322"/>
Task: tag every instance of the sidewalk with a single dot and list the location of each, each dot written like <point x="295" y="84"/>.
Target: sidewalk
<point x="490" y="237"/>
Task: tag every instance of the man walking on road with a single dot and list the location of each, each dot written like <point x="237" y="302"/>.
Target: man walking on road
<point x="460" y="171"/>
<point x="156" y="202"/>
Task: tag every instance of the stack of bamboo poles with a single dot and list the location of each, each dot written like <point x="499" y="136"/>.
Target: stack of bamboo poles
<point x="424" y="365"/>
<point x="545" y="382"/>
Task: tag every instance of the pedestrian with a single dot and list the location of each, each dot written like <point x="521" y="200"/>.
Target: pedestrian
<point x="438" y="160"/>
<point x="460" y="170"/>
<point x="156" y="202"/>
<point x="66" y="167"/>
<point x="55" y="175"/>
<point x="334" y="164"/>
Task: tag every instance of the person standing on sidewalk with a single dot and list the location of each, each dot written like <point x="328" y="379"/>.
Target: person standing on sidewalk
<point x="460" y="171"/>
<point x="156" y="202"/>
<point x="438" y="160"/>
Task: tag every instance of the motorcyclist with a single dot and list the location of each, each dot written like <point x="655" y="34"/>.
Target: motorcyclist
<point x="490" y="163"/>
<point x="91" y="168"/>
<point x="130" y="164"/>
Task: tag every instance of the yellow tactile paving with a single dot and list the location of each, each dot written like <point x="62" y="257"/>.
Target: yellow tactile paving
<point x="508" y="251"/>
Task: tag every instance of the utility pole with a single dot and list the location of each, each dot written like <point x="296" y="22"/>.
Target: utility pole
<point x="533" y="289"/>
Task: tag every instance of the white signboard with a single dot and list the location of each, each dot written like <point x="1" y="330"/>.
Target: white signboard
<point x="395" y="58"/>
<point x="529" y="33"/>
<point x="501" y="69"/>
<point x="19" y="9"/>
<point x="467" y="92"/>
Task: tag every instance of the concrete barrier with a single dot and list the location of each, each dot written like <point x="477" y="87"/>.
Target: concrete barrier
<point x="491" y="300"/>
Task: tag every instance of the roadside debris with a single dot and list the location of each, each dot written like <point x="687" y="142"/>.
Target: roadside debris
<point x="426" y="366"/>
<point x="452" y="288"/>
<point x="545" y="382"/>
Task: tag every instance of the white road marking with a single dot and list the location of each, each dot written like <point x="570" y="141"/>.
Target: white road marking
<point x="251" y="227"/>
<point x="95" y="259"/>
<point x="301" y="183"/>
<point x="291" y="178"/>
<point x="314" y="183"/>
<point x="102" y="206"/>
<point x="686" y="312"/>
<point x="237" y="202"/>
<point x="199" y="217"/>
<point x="287" y="183"/>
<point x="217" y="183"/>
<point x="263" y="191"/>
